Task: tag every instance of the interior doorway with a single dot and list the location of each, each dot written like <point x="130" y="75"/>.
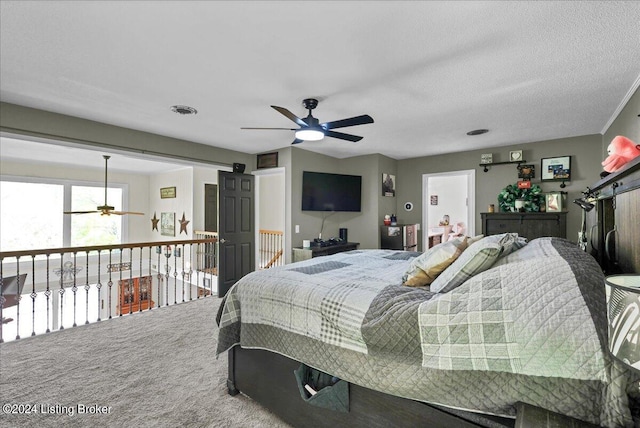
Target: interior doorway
<point x="270" y="217"/>
<point x="449" y="194"/>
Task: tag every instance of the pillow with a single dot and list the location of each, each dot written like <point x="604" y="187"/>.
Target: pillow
<point x="479" y="257"/>
<point x="426" y="267"/>
<point x="509" y="242"/>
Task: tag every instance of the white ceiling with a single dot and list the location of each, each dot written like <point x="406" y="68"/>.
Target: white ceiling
<point x="427" y="72"/>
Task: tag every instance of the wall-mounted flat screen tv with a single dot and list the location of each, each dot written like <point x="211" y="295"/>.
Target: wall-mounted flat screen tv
<point x="331" y="192"/>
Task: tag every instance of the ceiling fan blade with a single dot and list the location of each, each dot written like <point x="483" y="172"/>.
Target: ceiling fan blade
<point x="124" y="212"/>
<point x="284" y="129"/>
<point x="290" y="115"/>
<point x="297" y="141"/>
<point x="342" y="136"/>
<point x="81" y="212"/>
<point x="352" y="121"/>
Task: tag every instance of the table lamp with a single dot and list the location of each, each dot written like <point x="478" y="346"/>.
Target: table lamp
<point x="623" y="314"/>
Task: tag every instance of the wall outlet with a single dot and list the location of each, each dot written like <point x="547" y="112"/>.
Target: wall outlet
<point x="297" y="228"/>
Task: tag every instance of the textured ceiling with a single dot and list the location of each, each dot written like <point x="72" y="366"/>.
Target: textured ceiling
<point x="427" y="72"/>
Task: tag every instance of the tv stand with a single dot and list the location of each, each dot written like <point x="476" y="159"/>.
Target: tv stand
<point x="300" y="253"/>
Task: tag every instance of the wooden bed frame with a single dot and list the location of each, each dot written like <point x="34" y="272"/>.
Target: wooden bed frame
<point x="268" y="378"/>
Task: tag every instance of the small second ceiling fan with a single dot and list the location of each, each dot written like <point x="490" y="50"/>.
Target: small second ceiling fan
<point x="104" y="209"/>
<point x="312" y="130"/>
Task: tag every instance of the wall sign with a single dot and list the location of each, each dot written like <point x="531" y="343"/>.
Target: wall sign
<point x="167" y="192"/>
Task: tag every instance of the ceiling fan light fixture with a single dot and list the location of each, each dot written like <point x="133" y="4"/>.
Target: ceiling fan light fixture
<point x="309" y="134"/>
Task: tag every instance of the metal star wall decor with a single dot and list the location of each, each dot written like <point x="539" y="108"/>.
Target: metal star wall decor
<point x="183" y="224"/>
<point x="154" y="222"/>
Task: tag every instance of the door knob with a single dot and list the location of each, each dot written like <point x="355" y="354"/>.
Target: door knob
<point x="222" y="240"/>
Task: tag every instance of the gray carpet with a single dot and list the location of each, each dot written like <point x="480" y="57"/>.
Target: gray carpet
<point x="154" y="369"/>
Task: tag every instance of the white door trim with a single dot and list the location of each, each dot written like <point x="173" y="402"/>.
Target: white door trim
<point x="471" y="202"/>
<point x="261" y="173"/>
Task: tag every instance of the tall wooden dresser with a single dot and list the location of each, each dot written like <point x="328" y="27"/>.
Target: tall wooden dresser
<point x="530" y="225"/>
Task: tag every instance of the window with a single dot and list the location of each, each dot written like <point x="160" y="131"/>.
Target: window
<point x="31" y="214"/>
<point x="94" y="229"/>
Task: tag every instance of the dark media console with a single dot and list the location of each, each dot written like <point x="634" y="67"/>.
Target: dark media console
<point x="328" y="243"/>
<point x="336" y="246"/>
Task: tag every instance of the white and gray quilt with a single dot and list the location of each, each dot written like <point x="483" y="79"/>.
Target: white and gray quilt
<point x="532" y="328"/>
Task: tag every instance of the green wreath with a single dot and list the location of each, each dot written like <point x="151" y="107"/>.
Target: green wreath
<point x="533" y="198"/>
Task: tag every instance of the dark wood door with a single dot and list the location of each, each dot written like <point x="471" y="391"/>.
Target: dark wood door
<point x="627" y="239"/>
<point x="236" y="228"/>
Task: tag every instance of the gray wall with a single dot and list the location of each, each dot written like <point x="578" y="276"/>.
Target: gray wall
<point x="627" y="123"/>
<point x="363" y="227"/>
<point x="585" y="165"/>
<point x="587" y="154"/>
<point x="20" y="120"/>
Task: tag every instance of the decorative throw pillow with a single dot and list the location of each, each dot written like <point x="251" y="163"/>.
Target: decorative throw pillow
<point x="426" y="267"/>
<point x="479" y="257"/>
<point x="508" y="241"/>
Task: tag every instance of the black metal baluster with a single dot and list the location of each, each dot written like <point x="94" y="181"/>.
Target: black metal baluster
<point x="47" y="293"/>
<point x="86" y="289"/>
<point x="61" y="292"/>
<point x="175" y="277"/>
<point x="151" y="276"/>
<point x="19" y="298"/>
<point x="159" y="252"/>
<point x="167" y="254"/>
<point x="33" y="295"/>
<point x="74" y="288"/>
<point x="131" y="288"/>
<point x="190" y="271"/>
<point x="110" y="284"/>
<point x="199" y="267"/>
<point x="141" y="282"/>
<point x="121" y="298"/>
<point x="99" y="287"/>
<point x="2" y="299"/>
<point x="183" y="257"/>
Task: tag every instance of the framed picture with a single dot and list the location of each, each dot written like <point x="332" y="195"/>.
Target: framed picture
<point x="555" y="201"/>
<point x="486" y="158"/>
<point x="268" y="160"/>
<point x="526" y="172"/>
<point x="556" y="169"/>
<point x="388" y="185"/>
<point x="168" y="224"/>
<point x="515" y="156"/>
<point x="167" y="192"/>
<point x="393" y="231"/>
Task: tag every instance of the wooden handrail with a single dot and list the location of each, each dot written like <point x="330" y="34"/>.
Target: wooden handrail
<point x="48" y="251"/>
<point x="270" y="232"/>
<point x="273" y="259"/>
<point x="205" y="232"/>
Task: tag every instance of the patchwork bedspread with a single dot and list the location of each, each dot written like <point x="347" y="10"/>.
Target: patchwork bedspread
<point x="532" y="328"/>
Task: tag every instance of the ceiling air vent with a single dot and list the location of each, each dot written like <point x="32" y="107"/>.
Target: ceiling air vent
<point x="184" y="110"/>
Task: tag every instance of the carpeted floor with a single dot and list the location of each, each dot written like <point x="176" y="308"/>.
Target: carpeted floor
<point x="154" y="369"/>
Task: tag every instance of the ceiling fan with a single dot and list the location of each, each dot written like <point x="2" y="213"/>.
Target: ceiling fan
<point x="104" y="209"/>
<point x="312" y="130"/>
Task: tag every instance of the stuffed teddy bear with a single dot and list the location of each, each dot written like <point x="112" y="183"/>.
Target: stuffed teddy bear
<point x="621" y="150"/>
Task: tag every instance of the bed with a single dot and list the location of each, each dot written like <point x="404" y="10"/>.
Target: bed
<point x="528" y="327"/>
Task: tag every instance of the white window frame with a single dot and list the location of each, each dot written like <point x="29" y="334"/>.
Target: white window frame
<point x="68" y="184"/>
